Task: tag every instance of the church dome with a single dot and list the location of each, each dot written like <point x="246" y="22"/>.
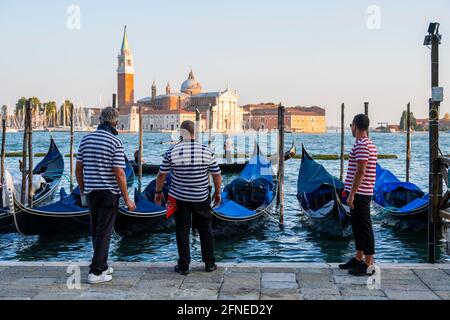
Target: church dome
<point x="191" y="86"/>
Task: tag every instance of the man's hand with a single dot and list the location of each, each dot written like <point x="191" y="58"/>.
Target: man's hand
<point x="159" y="198"/>
<point x="350" y="200"/>
<point x="130" y="205"/>
<point x="217" y="198"/>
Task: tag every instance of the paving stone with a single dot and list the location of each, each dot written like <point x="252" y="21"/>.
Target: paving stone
<point x="445" y="295"/>
<point x="18" y="292"/>
<point x="282" y="277"/>
<point x="196" y="294"/>
<point x="410" y="295"/>
<point x="360" y="298"/>
<point x="447" y="271"/>
<point x="201" y="285"/>
<point x="315" y="284"/>
<point x="239" y="296"/>
<point x="319" y="291"/>
<point x="348" y="279"/>
<point x="321" y="297"/>
<point x="436" y="280"/>
<point x="243" y="270"/>
<point x="277" y="270"/>
<point x="56" y="296"/>
<point x="361" y="291"/>
<point x="276" y="294"/>
<point x="95" y="295"/>
<point x="279" y="285"/>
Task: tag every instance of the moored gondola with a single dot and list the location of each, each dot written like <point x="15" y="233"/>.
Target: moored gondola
<point x="224" y="167"/>
<point x="64" y="216"/>
<point x="7" y="204"/>
<point x="403" y="204"/>
<point x="320" y="197"/>
<point x="148" y="217"/>
<point x="248" y="201"/>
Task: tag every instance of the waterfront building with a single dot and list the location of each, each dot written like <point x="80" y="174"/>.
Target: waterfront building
<point x="167" y="111"/>
<point x="297" y="119"/>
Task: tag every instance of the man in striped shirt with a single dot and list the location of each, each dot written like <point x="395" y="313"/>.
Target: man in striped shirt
<point x="359" y="184"/>
<point x="190" y="163"/>
<point x="101" y="179"/>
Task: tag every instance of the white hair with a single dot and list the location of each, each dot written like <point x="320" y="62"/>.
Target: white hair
<point x="109" y="115"/>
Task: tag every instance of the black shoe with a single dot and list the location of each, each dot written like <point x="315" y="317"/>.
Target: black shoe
<point x="210" y="267"/>
<point x="182" y="271"/>
<point x="361" y="270"/>
<point x="352" y="263"/>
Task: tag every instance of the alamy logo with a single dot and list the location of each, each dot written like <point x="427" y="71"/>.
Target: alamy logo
<point x="74" y="280"/>
<point x="74" y="19"/>
<point x="374" y="281"/>
<point x="374" y="19"/>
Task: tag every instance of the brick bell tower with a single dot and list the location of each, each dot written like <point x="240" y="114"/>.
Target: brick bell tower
<point x="125" y="76"/>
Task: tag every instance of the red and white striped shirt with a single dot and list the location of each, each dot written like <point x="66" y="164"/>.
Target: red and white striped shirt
<point x="363" y="150"/>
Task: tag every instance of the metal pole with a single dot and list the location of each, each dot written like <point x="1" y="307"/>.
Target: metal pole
<point x="281" y="111"/>
<point x="341" y="176"/>
<point x="408" y="140"/>
<point x="30" y="156"/>
<point x="435" y="180"/>
<point x="366" y="112"/>
<point x="141" y="150"/>
<point x="71" y="145"/>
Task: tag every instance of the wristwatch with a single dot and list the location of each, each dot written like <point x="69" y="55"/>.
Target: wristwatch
<point x="158" y="192"/>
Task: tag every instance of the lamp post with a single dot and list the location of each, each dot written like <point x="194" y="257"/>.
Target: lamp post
<point x="433" y="39"/>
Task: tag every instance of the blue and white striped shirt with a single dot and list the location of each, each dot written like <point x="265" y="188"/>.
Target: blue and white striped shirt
<point x="190" y="164"/>
<point x="100" y="151"/>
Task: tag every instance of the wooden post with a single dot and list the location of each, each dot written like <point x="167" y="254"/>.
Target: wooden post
<point x="141" y="150"/>
<point x="435" y="180"/>
<point x="197" y="124"/>
<point x="408" y="139"/>
<point x="210" y="125"/>
<point x="71" y="145"/>
<point x="341" y="176"/>
<point x="2" y="172"/>
<point x="235" y="142"/>
<point x="64" y="113"/>
<point x="366" y="112"/>
<point x="114" y="100"/>
<point x="24" y="155"/>
<point x="281" y="162"/>
<point x="30" y="156"/>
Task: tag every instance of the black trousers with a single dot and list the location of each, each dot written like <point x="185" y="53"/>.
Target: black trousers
<point x="362" y="225"/>
<point x="103" y="207"/>
<point x="199" y="214"/>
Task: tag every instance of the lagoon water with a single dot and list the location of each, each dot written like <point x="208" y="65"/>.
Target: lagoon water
<point x="296" y="243"/>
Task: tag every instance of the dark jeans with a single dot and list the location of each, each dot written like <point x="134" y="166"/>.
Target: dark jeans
<point x="200" y="215"/>
<point x="362" y="225"/>
<point x="102" y="206"/>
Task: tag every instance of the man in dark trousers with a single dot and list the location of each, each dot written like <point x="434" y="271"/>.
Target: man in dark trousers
<point x="101" y="179"/>
<point x="359" y="184"/>
<point x="190" y="164"/>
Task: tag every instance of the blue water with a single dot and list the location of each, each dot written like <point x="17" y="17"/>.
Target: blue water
<point x="296" y="243"/>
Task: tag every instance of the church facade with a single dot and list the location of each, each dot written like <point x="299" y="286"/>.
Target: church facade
<point x="219" y="110"/>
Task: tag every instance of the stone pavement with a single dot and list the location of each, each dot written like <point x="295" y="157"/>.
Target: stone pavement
<point x="286" y="281"/>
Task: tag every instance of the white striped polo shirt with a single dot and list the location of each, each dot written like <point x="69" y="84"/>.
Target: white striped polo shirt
<point x="101" y="151"/>
<point x="363" y="150"/>
<point x="190" y="163"/>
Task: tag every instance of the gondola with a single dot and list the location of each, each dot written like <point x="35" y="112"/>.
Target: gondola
<point x="320" y="198"/>
<point x="51" y="168"/>
<point x="403" y="204"/>
<point x="148" y="217"/>
<point x="224" y="167"/>
<point x="64" y="216"/>
<point x="248" y="201"/>
<point x="7" y="203"/>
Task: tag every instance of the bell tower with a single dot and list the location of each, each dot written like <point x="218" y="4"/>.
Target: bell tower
<point x="125" y="75"/>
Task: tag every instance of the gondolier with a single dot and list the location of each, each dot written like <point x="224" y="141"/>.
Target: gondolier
<point x="101" y="177"/>
<point x="359" y="184"/>
<point x="190" y="164"/>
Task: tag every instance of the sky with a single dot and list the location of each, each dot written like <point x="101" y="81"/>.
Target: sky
<point x="296" y="52"/>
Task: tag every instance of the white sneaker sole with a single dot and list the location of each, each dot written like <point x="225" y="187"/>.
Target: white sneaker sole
<point x="98" y="281"/>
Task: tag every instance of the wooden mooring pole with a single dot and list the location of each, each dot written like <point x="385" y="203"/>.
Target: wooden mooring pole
<point x="281" y="111"/>
<point x="366" y="112"/>
<point x="197" y="125"/>
<point x="71" y="145"/>
<point x="141" y="150"/>
<point x="408" y="140"/>
<point x="24" y="154"/>
<point x="341" y="175"/>
<point x="30" y="155"/>
<point x="2" y="172"/>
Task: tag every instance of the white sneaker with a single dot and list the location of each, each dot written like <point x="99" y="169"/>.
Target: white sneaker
<point x="110" y="270"/>
<point x="92" y="278"/>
